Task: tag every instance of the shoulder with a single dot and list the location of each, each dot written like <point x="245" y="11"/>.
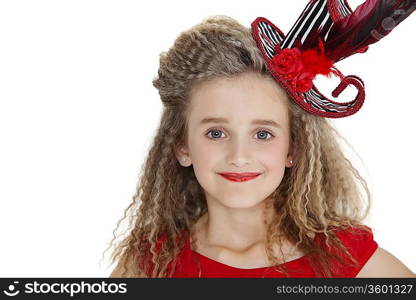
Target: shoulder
<point x="359" y="240"/>
<point x="384" y="264"/>
<point x="373" y="260"/>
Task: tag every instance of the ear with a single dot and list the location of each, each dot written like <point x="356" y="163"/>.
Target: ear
<point x="291" y="154"/>
<point x="290" y="157"/>
<point x="182" y="155"/>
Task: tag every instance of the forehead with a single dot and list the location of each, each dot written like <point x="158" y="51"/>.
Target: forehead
<point x="244" y="98"/>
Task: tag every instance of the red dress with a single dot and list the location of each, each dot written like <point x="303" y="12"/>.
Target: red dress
<point x="360" y="243"/>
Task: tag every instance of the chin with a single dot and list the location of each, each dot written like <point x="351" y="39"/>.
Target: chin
<point x="239" y="202"/>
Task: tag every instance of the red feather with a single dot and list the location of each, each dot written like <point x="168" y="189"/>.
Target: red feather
<point x="316" y="62"/>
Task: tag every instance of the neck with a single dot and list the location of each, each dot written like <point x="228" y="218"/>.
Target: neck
<point x="235" y="229"/>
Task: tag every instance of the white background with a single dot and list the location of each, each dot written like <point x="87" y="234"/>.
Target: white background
<point x="78" y="110"/>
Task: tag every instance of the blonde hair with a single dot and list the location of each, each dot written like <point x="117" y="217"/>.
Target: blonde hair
<point x="319" y="194"/>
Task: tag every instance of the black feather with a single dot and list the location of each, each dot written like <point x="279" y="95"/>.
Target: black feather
<point x="369" y="23"/>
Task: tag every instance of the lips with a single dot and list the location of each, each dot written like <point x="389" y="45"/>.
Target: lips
<point x="238" y="177"/>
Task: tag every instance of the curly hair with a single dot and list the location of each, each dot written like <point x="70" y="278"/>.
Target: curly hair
<point x="319" y="194"/>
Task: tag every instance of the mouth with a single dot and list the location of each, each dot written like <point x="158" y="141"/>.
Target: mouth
<point x="239" y="177"/>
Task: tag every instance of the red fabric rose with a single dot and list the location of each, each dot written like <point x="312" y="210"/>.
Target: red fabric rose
<point x="300" y="68"/>
<point x="304" y="82"/>
<point x="287" y="62"/>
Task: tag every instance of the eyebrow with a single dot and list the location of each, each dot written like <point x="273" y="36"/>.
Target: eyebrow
<point x="255" y="122"/>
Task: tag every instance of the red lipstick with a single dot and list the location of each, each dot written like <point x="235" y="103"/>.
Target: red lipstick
<point x="239" y="177"/>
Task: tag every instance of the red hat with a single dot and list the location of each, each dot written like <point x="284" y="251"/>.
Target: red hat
<point x="327" y="31"/>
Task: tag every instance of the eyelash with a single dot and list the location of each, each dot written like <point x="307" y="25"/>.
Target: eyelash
<point x="261" y="130"/>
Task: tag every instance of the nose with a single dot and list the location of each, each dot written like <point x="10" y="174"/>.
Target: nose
<point x="238" y="153"/>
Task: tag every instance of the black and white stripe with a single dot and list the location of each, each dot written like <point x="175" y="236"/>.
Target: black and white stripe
<point x="314" y="16"/>
<point x="313" y="98"/>
<point x="272" y="34"/>
<point x="345" y="11"/>
<point x="297" y="24"/>
<point x="330" y="27"/>
<point x="318" y="22"/>
<point x="314" y="9"/>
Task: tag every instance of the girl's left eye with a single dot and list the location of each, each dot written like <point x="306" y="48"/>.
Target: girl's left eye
<point x="264" y="133"/>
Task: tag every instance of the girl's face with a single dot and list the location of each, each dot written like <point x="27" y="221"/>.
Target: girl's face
<point x="237" y="143"/>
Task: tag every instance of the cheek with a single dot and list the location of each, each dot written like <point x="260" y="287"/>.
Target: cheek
<point x="204" y="157"/>
<point x="202" y="150"/>
<point x="272" y="163"/>
<point x="274" y="155"/>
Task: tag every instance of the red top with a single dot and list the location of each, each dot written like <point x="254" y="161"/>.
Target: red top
<point x="360" y="243"/>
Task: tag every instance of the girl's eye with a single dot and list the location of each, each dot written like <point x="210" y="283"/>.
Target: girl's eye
<point x="216" y="133"/>
<point x="265" y="133"/>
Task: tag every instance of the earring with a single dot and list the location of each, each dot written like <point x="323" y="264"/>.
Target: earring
<point x="291" y="161"/>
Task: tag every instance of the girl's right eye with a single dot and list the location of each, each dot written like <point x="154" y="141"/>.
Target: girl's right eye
<point x="216" y="135"/>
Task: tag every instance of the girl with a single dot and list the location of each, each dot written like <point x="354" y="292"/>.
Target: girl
<point x="240" y="181"/>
